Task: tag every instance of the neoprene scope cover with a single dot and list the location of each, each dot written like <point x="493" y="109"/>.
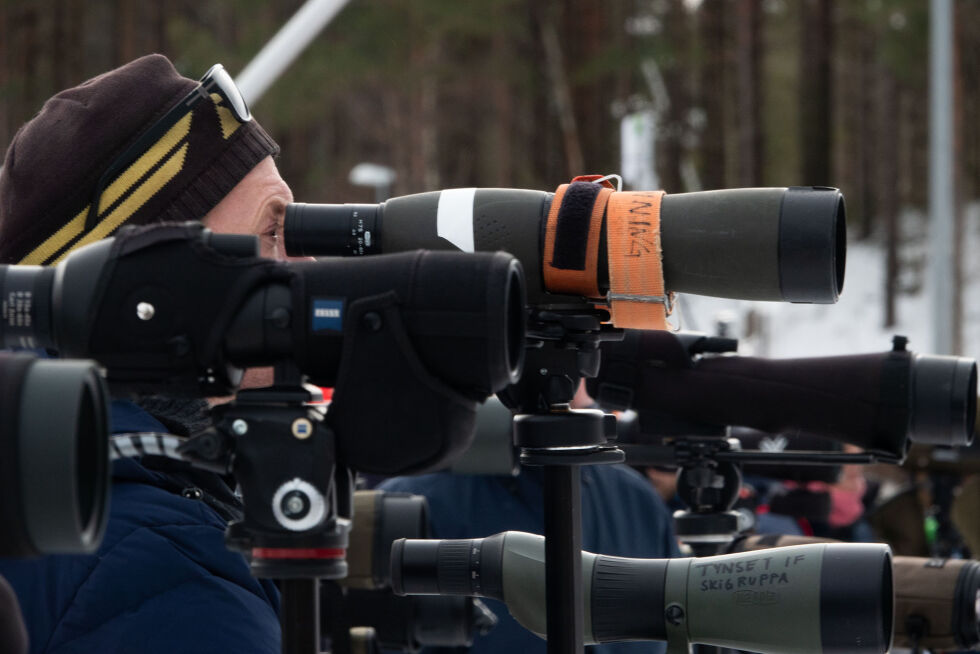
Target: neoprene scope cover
<point x="401" y="352"/>
<point x="878" y="401"/>
<point x="411" y="342"/>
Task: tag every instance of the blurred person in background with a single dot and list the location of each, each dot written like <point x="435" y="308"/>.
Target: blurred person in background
<point x="813" y="508"/>
<point x="142" y="144"/>
<point x="930" y="505"/>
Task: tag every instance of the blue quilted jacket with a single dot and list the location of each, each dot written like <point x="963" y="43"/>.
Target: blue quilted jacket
<point x="162" y="580"/>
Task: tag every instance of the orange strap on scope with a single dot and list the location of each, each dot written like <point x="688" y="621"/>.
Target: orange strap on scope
<point x="636" y="298"/>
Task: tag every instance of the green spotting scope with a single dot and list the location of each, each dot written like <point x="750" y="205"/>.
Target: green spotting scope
<point x="937" y="601"/>
<point x="807" y="599"/>
<point x="779" y="244"/>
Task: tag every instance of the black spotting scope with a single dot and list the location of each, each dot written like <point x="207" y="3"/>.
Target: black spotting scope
<point x="784" y="244"/>
<point x="801" y="600"/>
<point x="54" y="455"/>
<point x="880" y="402"/>
<point x="456" y="311"/>
<point x="413" y="339"/>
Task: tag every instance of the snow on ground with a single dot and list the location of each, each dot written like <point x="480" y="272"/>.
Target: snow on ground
<point x="855" y="323"/>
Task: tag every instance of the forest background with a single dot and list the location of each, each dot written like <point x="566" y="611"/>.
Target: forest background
<point x="528" y="93"/>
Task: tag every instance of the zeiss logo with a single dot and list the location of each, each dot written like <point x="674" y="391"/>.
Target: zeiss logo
<point x="328" y="315"/>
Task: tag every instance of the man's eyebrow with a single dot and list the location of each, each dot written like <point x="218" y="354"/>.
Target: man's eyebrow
<point x="278" y="204"/>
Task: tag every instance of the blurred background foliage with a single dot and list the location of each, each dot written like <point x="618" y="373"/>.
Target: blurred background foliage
<point x="530" y="92"/>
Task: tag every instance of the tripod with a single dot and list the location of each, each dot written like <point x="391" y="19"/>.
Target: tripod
<point x="564" y="346"/>
<point x="298" y="501"/>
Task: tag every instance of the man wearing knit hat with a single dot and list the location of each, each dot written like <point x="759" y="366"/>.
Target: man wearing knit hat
<point x="137" y="145"/>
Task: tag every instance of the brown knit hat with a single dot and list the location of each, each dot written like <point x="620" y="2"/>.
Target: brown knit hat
<point x="55" y="161"/>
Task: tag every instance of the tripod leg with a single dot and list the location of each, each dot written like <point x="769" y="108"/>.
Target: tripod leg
<point x="563" y="558"/>
<point x="299" y="616"/>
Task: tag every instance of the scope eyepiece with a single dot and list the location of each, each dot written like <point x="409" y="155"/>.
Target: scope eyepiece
<point x="332" y="230"/>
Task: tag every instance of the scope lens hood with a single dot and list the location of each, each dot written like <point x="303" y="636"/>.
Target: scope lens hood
<point x="812" y="244"/>
<point x="944" y="400"/>
<point x="852" y="570"/>
<point x="400" y="515"/>
<point x="380" y="517"/>
<point x="64" y="456"/>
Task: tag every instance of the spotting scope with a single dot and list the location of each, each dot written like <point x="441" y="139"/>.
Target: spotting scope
<point x="937" y="601"/>
<point x="799" y="600"/>
<point x="881" y="402"/>
<point x="181" y="310"/>
<point x="587" y="240"/>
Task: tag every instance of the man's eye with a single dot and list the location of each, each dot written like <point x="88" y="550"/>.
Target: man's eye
<point x="269" y="242"/>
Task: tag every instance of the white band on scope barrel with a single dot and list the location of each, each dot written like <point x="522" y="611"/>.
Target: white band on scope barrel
<point x="454" y="217"/>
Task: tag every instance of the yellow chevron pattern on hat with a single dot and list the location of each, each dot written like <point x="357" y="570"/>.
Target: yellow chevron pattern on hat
<point x="228" y="121"/>
<point x="136" y="184"/>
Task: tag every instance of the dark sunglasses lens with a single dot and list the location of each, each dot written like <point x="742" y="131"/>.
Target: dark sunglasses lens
<point x="231" y="93"/>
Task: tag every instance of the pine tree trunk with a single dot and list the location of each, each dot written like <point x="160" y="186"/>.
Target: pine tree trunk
<point x="714" y="40"/>
<point x="849" y="107"/>
<point x="26" y="60"/>
<point x="499" y="167"/>
<point x="815" y="91"/>
<point x="429" y="125"/>
<point x="561" y="93"/>
<point x="748" y="29"/>
<point x="868" y="136"/>
<point x="671" y="150"/>
<point x="6" y="133"/>
<point x="886" y="170"/>
<point x="127" y="32"/>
